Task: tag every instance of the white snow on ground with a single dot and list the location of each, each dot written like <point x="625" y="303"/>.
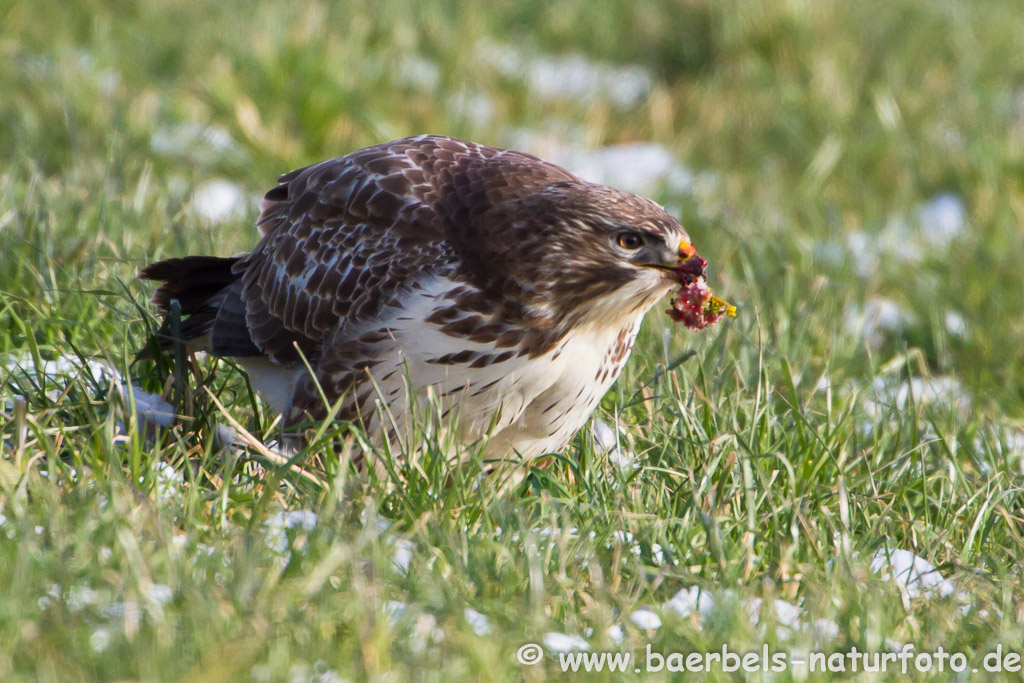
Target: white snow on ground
<point x="169" y="481"/>
<point x="955" y="324"/>
<point x="99" y="640"/>
<point x="1007" y="442"/>
<point x="689" y="601"/>
<point x="473" y="106"/>
<point x="864" y="253"/>
<point x="402" y="548"/>
<point x="394" y="609"/>
<point x="941" y="220"/>
<point x="914" y="575"/>
<point x="402" y="555"/>
<point x="418" y="72"/>
<point x="878" y="316"/>
<point x="640" y="167"/>
<point x="788" y="617"/>
<point x="194" y="139"/>
<point x="562" y="642"/>
<point x="608" y="440"/>
<point x="65" y="368"/>
<point x="645" y="619"/>
<point x="425" y="631"/>
<point x="54" y="376"/>
<point x="219" y="200"/>
<point x="480" y="624"/>
<point x="568" y="76"/>
<point x="935" y="391"/>
<point x="605" y="438"/>
<point x="278" y="525"/>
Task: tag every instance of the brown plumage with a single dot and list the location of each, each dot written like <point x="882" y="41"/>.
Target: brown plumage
<point x="504" y="286"/>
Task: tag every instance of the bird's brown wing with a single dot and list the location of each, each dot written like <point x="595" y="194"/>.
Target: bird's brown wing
<point x="344" y="238"/>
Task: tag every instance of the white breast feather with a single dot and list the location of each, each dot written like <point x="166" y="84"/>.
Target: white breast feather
<point x="518" y="404"/>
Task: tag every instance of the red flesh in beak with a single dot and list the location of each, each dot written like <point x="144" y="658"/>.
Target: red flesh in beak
<point x="693" y="305"/>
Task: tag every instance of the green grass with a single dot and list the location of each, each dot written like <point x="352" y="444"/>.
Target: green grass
<point x="810" y="122"/>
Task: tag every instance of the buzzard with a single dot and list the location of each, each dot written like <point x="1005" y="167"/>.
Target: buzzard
<point x="502" y="286"/>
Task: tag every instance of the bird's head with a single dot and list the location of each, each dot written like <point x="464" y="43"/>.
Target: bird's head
<point x="585" y="251"/>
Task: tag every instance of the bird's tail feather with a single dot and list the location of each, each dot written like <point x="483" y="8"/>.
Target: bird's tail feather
<point x="201" y="285"/>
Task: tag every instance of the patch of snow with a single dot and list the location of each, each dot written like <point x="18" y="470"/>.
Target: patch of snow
<point x="1011" y="445"/>
<point x="824" y="630"/>
<point x="150" y="408"/>
<point x="476" y="107"/>
<point x="65" y="367"/>
<point x="645" y="619"/>
<point x="219" y="200"/>
<point x="402" y="555"/>
<point x="607" y="441"/>
<point x="938" y="391"/>
<point x="626" y="538"/>
<point x="194" y="139"/>
<point x="279" y="523"/>
<point x="394" y="609"/>
<point x="50" y="597"/>
<point x="878" y="317"/>
<point x="159" y="594"/>
<point x="955" y="324"/>
<point x="787" y="613"/>
<point x="623" y="460"/>
<point x="168" y="481"/>
<point x="788" y="617"/>
<point x="569" y="76"/>
<point x="122" y="610"/>
<point x="900" y="242"/>
<point x="108" y="81"/>
<point x="830" y="252"/>
<point x="941" y="219"/>
<point x="691" y="600"/>
<point x="425" y="632"/>
<point x="79" y="597"/>
<point x="562" y="642"/>
<point x="328" y="676"/>
<point x="639" y="167"/>
<point x="480" y="624"/>
<point x="605" y="438"/>
<point x="864" y="253"/>
<point x="914" y="575"/>
<point x="418" y="72"/>
<point x="99" y="640"/>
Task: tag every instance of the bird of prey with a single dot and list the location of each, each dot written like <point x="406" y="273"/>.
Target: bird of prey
<point x="503" y="287"/>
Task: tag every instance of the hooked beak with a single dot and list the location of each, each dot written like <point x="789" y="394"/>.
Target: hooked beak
<point x="684" y="264"/>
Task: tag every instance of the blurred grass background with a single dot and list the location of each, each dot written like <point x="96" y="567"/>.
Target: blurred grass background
<point x="853" y="172"/>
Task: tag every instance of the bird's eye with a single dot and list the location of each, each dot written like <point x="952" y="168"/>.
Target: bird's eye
<point x="630" y="240"/>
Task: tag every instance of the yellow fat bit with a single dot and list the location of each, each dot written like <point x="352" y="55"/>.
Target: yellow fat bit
<point x="717" y="306"/>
